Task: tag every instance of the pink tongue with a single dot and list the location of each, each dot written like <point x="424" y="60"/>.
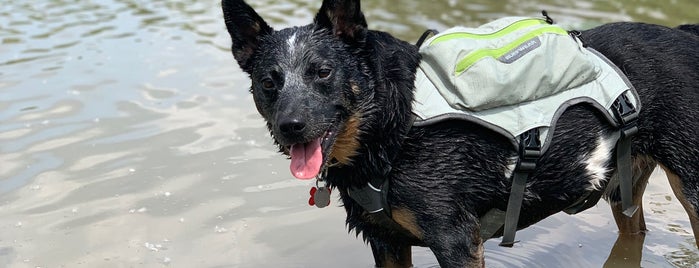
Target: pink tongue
<point x="306" y="159"/>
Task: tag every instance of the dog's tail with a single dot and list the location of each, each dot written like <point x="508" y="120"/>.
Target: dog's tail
<point x="690" y="28"/>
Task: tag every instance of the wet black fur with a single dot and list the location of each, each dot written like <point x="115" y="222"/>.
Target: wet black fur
<point x="451" y="173"/>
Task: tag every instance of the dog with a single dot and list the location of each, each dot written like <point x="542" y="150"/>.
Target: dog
<point x="336" y="98"/>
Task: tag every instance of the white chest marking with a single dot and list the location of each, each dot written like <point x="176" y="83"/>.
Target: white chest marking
<point x="596" y="163"/>
<point x="292" y="43"/>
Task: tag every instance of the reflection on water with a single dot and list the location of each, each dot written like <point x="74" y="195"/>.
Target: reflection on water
<point x="128" y="138"/>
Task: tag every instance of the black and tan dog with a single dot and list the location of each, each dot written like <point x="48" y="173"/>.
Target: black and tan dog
<point x="337" y="99"/>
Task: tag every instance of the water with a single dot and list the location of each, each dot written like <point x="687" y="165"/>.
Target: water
<point x="128" y="139"/>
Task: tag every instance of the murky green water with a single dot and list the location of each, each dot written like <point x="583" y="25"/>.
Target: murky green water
<point x="128" y="139"/>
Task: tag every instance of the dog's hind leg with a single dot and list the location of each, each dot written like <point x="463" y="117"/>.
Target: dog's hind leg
<point x="678" y="155"/>
<point x="687" y="195"/>
<point x="636" y="224"/>
<point x="628" y="247"/>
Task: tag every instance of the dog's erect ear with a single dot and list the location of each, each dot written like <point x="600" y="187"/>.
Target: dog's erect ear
<point x="245" y="27"/>
<point x="344" y="18"/>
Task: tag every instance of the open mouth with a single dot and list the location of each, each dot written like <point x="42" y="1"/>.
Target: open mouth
<point x="308" y="159"/>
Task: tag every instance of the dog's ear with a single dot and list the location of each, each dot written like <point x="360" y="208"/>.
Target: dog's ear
<point x="344" y="18"/>
<point x="246" y="28"/>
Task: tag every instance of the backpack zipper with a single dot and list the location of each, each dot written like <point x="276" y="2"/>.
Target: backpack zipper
<point x="476" y="55"/>
<point x="499" y="33"/>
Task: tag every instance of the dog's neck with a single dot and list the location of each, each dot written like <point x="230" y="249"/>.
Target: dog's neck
<point x="388" y="119"/>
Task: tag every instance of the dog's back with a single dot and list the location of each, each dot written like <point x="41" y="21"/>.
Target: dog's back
<point x="663" y="65"/>
<point x="691" y="28"/>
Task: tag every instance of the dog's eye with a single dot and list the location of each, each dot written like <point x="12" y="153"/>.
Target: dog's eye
<point x="267" y="83"/>
<point x="324" y="73"/>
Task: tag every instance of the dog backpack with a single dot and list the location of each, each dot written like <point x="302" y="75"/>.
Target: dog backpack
<point x="516" y="76"/>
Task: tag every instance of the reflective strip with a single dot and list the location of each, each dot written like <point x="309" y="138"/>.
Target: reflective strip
<point x="504" y="31"/>
<point x="476" y="55"/>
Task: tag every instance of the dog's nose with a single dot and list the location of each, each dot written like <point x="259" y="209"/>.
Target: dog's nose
<point x="292" y="127"/>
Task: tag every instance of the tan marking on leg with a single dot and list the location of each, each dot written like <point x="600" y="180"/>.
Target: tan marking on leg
<point x="480" y="256"/>
<point x="677" y="189"/>
<point x="406" y="219"/>
<point x="347" y="142"/>
<point x="642" y="169"/>
<point x="635" y="224"/>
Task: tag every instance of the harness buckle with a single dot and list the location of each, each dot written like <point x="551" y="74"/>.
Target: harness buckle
<point x="529" y="151"/>
<point x="626" y="114"/>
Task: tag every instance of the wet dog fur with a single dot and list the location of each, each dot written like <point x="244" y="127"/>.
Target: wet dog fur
<point x="349" y="88"/>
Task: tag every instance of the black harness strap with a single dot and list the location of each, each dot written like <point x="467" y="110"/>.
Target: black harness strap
<point x="529" y="153"/>
<point x="424" y="36"/>
<point x="627" y="116"/>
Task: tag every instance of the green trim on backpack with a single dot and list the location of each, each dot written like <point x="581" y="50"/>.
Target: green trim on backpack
<point x="479" y="54"/>
<point x="499" y="33"/>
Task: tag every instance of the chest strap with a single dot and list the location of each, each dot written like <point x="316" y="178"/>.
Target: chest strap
<point x="529" y="153"/>
<point x="627" y="116"/>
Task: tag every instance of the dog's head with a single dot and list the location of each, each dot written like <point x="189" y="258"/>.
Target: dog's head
<point x="306" y="81"/>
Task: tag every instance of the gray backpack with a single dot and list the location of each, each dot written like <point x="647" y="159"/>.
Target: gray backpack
<point x="516" y="76"/>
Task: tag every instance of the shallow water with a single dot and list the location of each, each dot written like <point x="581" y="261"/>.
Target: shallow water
<point x="128" y="139"/>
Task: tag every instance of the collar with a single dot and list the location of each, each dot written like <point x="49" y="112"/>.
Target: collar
<point x="371" y="198"/>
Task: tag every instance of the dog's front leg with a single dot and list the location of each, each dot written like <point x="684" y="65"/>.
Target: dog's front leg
<point x="456" y="242"/>
<point x="391" y="255"/>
